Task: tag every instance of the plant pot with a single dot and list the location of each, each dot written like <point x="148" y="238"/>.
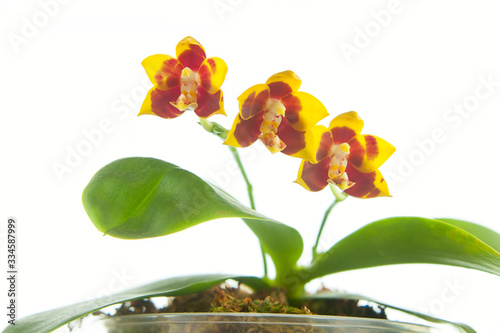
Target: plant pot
<point x="247" y="322"/>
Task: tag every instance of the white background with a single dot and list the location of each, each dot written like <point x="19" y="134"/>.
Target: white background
<point x="80" y="66"/>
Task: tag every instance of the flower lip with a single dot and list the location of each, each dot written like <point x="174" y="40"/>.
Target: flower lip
<point x="275" y="107"/>
<point x="187" y="100"/>
<point x="338" y="164"/>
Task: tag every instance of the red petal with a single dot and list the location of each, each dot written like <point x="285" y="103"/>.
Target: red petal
<point x="345" y="126"/>
<point x="279" y="89"/>
<point x="163" y="70"/>
<point x="283" y="83"/>
<point x="303" y="110"/>
<point x="293" y="139"/>
<point x="208" y="104"/>
<point x="253" y="100"/>
<point x="212" y="73"/>
<point x="363" y="182"/>
<point x="160" y="102"/>
<point x="170" y="73"/>
<point x="315" y="176"/>
<point x="367" y="185"/>
<point x="190" y="53"/>
<point x="371" y="147"/>
<point x="342" y="134"/>
<point x="356" y="153"/>
<point x="369" y="152"/>
<point x="248" y="130"/>
<point x="293" y="107"/>
<point x="325" y="144"/>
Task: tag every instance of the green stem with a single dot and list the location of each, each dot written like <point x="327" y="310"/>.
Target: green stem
<point x="222" y="132"/>
<point x="325" y="218"/>
<point x="236" y="156"/>
<point x="339" y="197"/>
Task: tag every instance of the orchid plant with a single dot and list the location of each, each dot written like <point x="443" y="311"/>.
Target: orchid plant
<point x="137" y="197"/>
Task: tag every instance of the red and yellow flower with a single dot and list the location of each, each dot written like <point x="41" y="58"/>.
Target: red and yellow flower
<point x="347" y="159"/>
<point x="190" y="82"/>
<point x="279" y="115"/>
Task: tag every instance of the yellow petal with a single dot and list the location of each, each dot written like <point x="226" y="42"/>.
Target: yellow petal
<point x="146" y="105"/>
<point x="163" y="70"/>
<point x="158" y="102"/>
<point x="190" y="53"/>
<point x="380" y="185"/>
<point x="345" y="126"/>
<point x="253" y="100"/>
<point x="212" y="73"/>
<point x="308" y="153"/>
<point x="366" y="185"/>
<point x="301" y="144"/>
<point x="291" y="83"/>
<point x="231" y="140"/>
<point x="299" y="176"/>
<point x="244" y="132"/>
<point x="313" y="177"/>
<point x="303" y="110"/>
<point x="369" y="152"/>
<point x="209" y="104"/>
<point x="322" y="140"/>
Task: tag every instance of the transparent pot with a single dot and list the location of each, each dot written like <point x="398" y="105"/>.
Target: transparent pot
<point x="247" y="323"/>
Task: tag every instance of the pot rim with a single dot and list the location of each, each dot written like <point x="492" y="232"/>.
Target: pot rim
<point x="265" y="318"/>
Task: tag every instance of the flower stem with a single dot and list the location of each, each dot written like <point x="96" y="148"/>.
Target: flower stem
<point x="236" y="156"/>
<point x="325" y="217"/>
<point x="222" y="132"/>
<point x="339" y="197"/>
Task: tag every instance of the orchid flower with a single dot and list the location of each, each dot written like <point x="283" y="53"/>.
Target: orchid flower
<point x="190" y="82"/>
<point x="279" y="115"/>
<point x="347" y="159"/>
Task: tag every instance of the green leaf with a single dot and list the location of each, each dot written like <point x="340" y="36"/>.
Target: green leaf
<point x="51" y="320"/>
<point x="487" y="235"/>
<point x="334" y="295"/>
<point x="405" y="240"/>
<point x="142" y="197"/>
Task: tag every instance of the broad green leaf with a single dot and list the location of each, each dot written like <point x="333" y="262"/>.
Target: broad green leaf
<point x="405" y="240"/>
<point x="333" y="295"/>
<point x="51" y="320"/>
<point x="487" y="235"/>
<point x="142" y="197"/>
